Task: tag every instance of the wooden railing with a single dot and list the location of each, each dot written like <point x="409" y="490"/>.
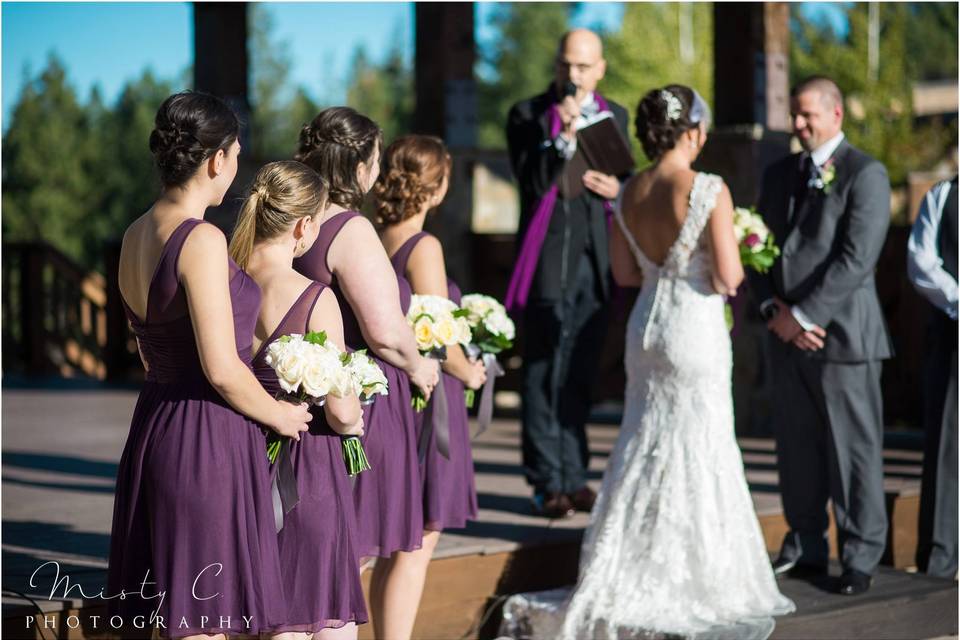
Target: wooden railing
<point x="59" y="318"/>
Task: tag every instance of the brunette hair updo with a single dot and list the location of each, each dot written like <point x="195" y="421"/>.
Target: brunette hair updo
<point x="414" y="168"/>
<point x="189" y="128"/>
<point x="334" y="145"/>
<point x="664" y="115"/>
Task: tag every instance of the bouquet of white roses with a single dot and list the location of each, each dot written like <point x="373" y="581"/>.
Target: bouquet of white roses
<point x="491" y="329"/>
<point x="757" y="248"/>
<point x="309" y="367"/>
<point x="367" y="376"/>
<point x="437" y="324"/>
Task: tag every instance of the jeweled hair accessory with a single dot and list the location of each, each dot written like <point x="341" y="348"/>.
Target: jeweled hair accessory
<point x="674" y="106"/>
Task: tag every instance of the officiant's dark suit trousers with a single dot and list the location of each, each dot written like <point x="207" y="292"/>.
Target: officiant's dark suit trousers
<point x="563" y="341"/>
<point x="829" y="433"/>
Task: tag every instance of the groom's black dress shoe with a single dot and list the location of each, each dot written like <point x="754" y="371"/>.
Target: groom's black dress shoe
<point x="853" y="582"/>
<point x="552" y="505"/>
<point x="794" y="569"/>
<point x="583" y="499"/>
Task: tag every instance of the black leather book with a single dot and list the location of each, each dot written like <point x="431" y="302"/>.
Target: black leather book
<point x="601" y="147"/>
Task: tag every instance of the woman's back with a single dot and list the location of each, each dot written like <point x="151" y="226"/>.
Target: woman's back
<point x="156" y="302"/>
<point x="655" y="205"/>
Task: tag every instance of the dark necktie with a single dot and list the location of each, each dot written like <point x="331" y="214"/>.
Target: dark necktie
<point x="801" y="188"/>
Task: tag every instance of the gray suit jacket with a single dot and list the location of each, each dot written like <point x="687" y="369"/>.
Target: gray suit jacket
<point x="830" y="242"/>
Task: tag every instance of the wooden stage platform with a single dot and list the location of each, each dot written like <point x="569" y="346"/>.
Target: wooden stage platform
<point x="60" y="450"/>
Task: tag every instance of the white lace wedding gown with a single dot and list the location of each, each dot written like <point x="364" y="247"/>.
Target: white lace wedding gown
<point x="673" y="546"/>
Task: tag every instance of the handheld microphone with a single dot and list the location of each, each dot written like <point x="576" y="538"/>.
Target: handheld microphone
<point x="569" y="89"/>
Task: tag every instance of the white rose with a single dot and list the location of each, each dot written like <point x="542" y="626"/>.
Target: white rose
<point x="464" y="333"/>
<point x="290" y="369"/>
<point x="316" y="378"/>
<point x="343" y="384"/>
<point x="500" y="325"/>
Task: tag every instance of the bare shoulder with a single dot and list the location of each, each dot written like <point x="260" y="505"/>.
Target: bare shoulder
<point x="427" y="254"/>
<point x="355" y="241"/>
<point x="360" y="227"/>
<point x="428" y="245"/>
<point x="205" y="245"/>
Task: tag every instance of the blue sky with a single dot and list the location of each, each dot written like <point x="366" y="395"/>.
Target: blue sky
<point x="107" y="44"/>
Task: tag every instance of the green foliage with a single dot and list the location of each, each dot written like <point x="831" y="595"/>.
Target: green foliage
<point x="932" y="40"/>
<point x="278" y="111"/>
<point x="520" y="64"/>
<point x="384" y="91"/>
<point x="659" y="44"/>
<point x="879" y="116"/>
<point x="75" y="175"/>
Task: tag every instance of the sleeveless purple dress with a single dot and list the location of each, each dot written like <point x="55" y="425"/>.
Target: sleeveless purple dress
<point x="192" y="497"/>
<point x="449" y="491"/>
<point x="387" y="497"/>
<point x="318" y="549"/>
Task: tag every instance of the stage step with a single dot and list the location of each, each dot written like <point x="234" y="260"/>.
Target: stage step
<point x="58" y="499"/>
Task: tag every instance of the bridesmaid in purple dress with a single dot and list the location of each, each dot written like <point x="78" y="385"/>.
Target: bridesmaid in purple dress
<point x="416" y="171"/>
<point x="343" y="146"/>
<point x="318" y="546"/>
<point x="192" y="514"/>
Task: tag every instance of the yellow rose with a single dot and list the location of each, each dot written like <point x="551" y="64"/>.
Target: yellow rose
<point x="446" y="331"/>
<point x="424" y="334"/>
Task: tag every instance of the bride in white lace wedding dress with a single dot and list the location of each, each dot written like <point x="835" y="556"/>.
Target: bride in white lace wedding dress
<point x="673" y="546"/>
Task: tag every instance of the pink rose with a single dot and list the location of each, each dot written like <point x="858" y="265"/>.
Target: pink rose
<point x="752" y="240"/>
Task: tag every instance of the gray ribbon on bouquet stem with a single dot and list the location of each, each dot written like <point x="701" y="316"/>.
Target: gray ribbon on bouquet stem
<point x="494" y="371"/>
<point x="436" y="419"/>
<point x="283" y="485"/>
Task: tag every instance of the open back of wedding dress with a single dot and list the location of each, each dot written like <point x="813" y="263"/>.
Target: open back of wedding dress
<point x="673" y="547"/>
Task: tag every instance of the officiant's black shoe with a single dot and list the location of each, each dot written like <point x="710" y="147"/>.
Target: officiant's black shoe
<point x="552" y="505"/>
<point x="853" y="582"/>
<point x="583" y="499"/>
<point x="794" y="569"/>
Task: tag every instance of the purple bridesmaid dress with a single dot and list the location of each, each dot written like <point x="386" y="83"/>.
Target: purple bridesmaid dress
<point x="192" y="512"/>
<point x="318" y="547"/>
<point x="387" y="497"/>
<point x="449" y="491"/>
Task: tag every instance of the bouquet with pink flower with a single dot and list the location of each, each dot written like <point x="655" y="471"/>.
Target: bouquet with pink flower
<point x="757" y="248"/>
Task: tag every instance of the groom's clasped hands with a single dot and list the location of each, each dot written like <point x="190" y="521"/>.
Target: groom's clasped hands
<point x="788" y="329"/>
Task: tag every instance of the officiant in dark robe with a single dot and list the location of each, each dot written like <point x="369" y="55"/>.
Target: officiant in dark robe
<point x="561" y="281"/>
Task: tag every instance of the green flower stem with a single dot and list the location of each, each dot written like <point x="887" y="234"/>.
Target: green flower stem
<point x="354" y="456"/>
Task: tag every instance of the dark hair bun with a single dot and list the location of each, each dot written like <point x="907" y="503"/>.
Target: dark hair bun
<point x="663" y="115"/>
<point x="189" y="128"/>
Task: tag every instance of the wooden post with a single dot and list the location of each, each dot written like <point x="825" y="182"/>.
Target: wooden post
<point x="221" y="67"/>
<point x="751" y="130"/>
<point x="33" y="306"/>
<point x="446" y="106"/>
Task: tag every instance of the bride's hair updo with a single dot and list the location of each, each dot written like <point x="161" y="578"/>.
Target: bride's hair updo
<point x="189" y="128"/>
<point x="334" y="144"/>
<point x="414" y="167"/>
<point x="664" y="115"/>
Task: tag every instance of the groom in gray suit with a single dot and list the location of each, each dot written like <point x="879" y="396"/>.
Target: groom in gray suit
<point x="829" y="209"/>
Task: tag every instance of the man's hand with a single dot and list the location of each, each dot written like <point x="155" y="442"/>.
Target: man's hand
<point x="569" y="111"/>
<point x="601" y="184"/>
<point x="810" y="340"/>
<point x="783" y="324"/>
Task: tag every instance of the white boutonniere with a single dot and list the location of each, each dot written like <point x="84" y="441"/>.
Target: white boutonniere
<point x="825" y="177"/>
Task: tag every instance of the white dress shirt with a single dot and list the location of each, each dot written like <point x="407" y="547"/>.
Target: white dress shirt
<point x="924" y="265"/>
<point x="820" y="156"/>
